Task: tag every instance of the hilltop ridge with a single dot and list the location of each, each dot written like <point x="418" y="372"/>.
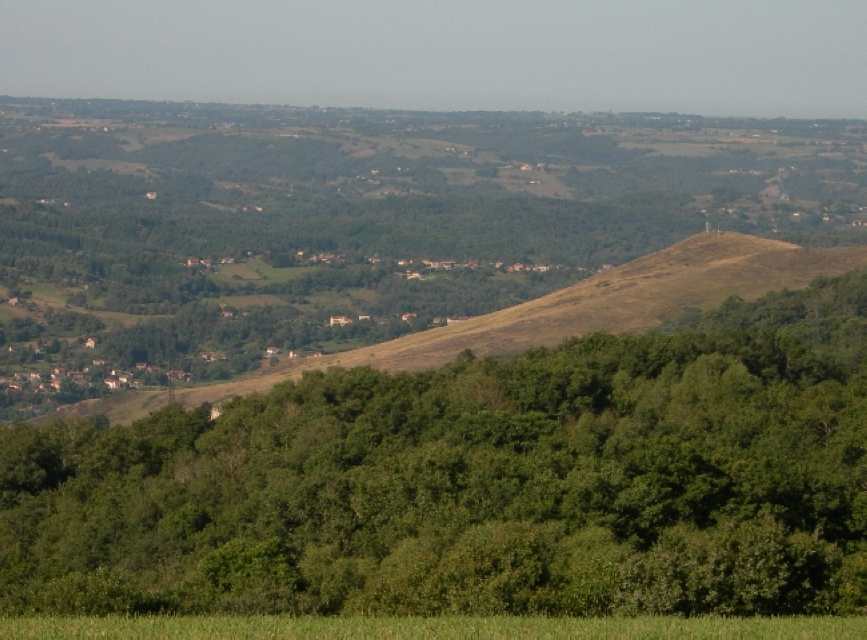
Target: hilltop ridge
<point x="698" y="272"/>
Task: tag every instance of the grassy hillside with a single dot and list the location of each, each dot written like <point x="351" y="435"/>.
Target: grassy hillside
<point x="699" y="272"/>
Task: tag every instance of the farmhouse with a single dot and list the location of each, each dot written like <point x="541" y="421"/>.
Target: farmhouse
<point x="178" y="375"/>
<point x="339" y="321"/>
<point x="443" y="265"/>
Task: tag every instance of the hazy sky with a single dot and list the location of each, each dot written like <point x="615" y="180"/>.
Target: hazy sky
<point x="759" y="57"/>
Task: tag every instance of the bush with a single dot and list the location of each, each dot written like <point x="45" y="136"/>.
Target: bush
<point x="740" y="568"/>
<point x="99" y="593"/>
<point x="587" y="572"/>
<point x="853" y="584"/>
<point x="498" y="568"/>
<point x="252" y="577"/>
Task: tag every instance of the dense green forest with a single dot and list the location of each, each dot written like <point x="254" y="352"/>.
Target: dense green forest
<point x="715" y="467"/>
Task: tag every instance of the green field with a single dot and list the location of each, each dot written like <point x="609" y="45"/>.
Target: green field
<point x="8" y="313"/>
<point x="243" y="302"/>
<point x="383" y="628"/>
<point x="259" y="273"/>
<point x="353" y="298"/>
<point x="50" y="295"/>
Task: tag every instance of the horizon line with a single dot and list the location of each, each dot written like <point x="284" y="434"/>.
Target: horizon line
<point x="362" y="107"/>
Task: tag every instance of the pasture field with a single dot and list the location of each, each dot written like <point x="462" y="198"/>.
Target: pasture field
<point x="48" y="296"/>
<point x="274" y="628"/>
<point x="246" y="301"/>
<point x="352" y="297"/>
<point x="137" y="138"/>
<point x="258" y="273"/>
<point x="411" y="148"/>
<point x="96" y="164"/>
<point x="8" y="313"/>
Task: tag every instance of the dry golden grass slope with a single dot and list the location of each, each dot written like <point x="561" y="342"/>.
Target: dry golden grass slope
<point x="700" y="271"/>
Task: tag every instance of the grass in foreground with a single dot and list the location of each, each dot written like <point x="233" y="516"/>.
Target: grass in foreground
<point x="194" y="628"/>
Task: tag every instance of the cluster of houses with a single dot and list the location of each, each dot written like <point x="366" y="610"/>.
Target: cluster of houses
<point x="273" y="352"/>
<point x="345" y="321"/>
<point x="452" y="265"/>
<point x="519" y="267"/>
<point x="207" y="263"/>
<point x="201" y="263"/>
<point x="463" y="153"/>
<point x="50" y="382"/>
<point x="413" y="268"/>
<point x="339" y="320"/>
<point x="321" y="258"/>
<point x="117" y="380"/>
<point x="100" y="375"/>
<point x="745" y="172"/>
<point x="53" y="380"/>
<point x="52" y="202"/>
<point x="540" y="166"/>
<point x="407" y="316"/>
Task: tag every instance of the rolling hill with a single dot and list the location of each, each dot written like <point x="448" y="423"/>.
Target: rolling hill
<point x="701" y="271"/>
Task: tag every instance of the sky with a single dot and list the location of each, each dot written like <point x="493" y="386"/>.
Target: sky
<point x="766" y="58"/>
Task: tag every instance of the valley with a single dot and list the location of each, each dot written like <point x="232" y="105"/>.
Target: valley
<point x="698" y="273"/>
<point x="154" y="246"/>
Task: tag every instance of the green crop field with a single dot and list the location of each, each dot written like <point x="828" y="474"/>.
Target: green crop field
<point x="259" y="273"/>
<point x="246" y="301"/>
<point x="189" y="628"/>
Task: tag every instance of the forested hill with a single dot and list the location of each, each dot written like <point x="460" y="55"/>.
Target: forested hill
<point x="715" y="468"/>
<point x="822" y="328"/>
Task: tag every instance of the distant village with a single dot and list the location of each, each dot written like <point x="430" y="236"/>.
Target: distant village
<point x="101" y="377"/>
<point x="408" y="268"/>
